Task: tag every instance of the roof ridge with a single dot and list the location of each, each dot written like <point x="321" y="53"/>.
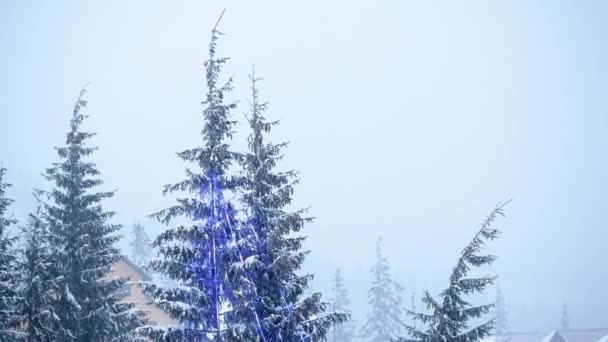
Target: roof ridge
<point x="144" y="275"/>
<point x="583" y="329"/>
<point x="550" y="331"/>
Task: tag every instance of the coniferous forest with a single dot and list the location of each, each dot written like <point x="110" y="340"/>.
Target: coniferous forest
<point x="231" y="261"/>
<point x="234" y="266"/>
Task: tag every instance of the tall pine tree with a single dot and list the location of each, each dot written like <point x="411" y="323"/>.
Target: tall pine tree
<point x="344" y="332"/>
<point x="82" y="241"/>
<point x="384" y="318"/>
<point x="37" y="283"/>
<point x="280" y="308"/>
<point x="200" y="255"/>
<point x="449" y="320"/>
<point x="141" y="246"/>
<point x="10" y="300"/>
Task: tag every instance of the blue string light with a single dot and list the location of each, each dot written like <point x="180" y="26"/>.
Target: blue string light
<point x="219" y="210"/>
<point x="262" y="252"/>
<point x="205" y="265"/>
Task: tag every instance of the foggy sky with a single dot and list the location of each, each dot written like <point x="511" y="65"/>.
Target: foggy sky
<point x="409" y="120"/>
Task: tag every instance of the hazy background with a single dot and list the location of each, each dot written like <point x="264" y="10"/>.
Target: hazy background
<point x="409" y="120"/>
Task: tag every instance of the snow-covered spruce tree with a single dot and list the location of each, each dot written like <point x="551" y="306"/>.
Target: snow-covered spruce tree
<point x="200" y="254"/>
<point x="449" y="320"/>
<point x="10" y="299"/>
<point x="141" y="246"/>
<point x="37" y="283"/>
<point x="277" y="303"/>
<point x="344" y="332"/>
<point x="384" y="297"/>
<point x="82" y="245"/>
<point x="502" y="326"/>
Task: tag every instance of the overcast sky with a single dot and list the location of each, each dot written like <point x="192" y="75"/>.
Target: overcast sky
<point x="407" y="119"/>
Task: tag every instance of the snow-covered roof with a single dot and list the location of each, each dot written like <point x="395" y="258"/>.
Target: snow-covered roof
<point x="603" y="339"/>
<point x="144" y="275"/>
<point x="554" y="336"/>
<point x="573" y="335"/>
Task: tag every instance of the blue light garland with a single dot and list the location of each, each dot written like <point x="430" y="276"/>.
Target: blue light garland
<point x="205" y="266"/>
<point x="208" y="276"/>
<point x="262" y="252"/>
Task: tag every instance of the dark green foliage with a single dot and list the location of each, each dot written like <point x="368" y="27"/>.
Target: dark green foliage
<point x="82" y="245"/>
<point x="10" y="300"/>
<point x="276" y="298"/>
<point x="450" y="317"/>
<point x="37" y="283"/>
<point x="198" y="254"/>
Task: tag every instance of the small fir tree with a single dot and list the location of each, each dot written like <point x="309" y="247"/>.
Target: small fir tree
<point x="565" y="318"/>
<point x="502" y="326"/>
<point x="413" y="307"/>
<point x="344" y="332"/>
<point x="10" y="299"/>
<point x="141" y="246"/>
<point x="142" y="253"/>
<point x="384" y="297"/>
<point x="87" y="303"/>
<point x="38" y="285"/>
<point x="450" y="318"/>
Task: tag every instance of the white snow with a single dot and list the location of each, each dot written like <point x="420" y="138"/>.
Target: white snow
<point x="603" y="339"/>
<point x="554" y="336"/>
